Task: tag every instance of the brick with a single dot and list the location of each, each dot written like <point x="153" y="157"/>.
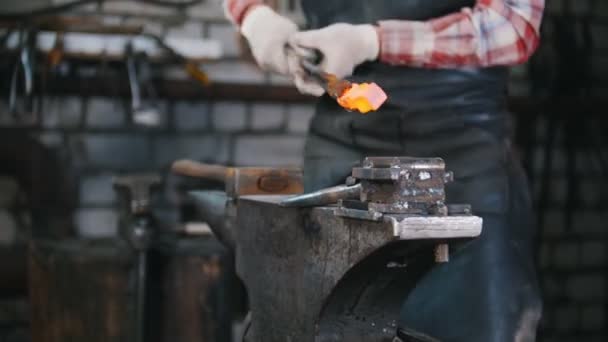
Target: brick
<point x="174" y="73"/>
<point x="235" y="72"/>
<point x="580" y="7"/>
<point x="267" y="116"/>
<point x="558" y="159"/>
<point x="191" y="115"/>
<point x="161" y="11"/>
<point x="586" y="287"/>
<point x="97" y="223"/>
<point x="271" y="150"/>
<point x="594" y="253"/>
<point x="190" y="29"/>
<point x="553" y="223"/>
<point x="105" y="113"/>
<point x="554" y="7"/>
<point x="207" y="10"/>
<point x="599" y="32"/>
<point x="51" y="139"/>
<point x="599" y="92"/>
<point x="599" y="67"/>
<point x="600" y="8"/>
<point x="8" y="228"/>
<point x="553" y="286"/>
<point x="592" y="194"/>
<point x="299" y="117"/>
<point x="137" y="9"/>
<point x="213" y="149"/>
<point x="126" y="7"/>
<point x="227" y="35"/>
<point x="150" y="26"/>
<point x="126" y="151"/>
<point x="593" y="318"/>
<point x="14" y="310"/>
<point x="545" y="256"/>
<point x="9" y="190"/>
<point x="90" y="8"/>
<point x="591" y="222"/>
<point x="5" y="118"/>
<point x="229" y="116"/>
<point x="20" y="118"/>
<point x="112" y="20"/>
<point x="566" y="318"/>
<point x="97" y="190"/>
<point x="535" y="190"/>
<point x="566" y="255"/>
<point x="541" y="127"/>
<point x="64" y="112"/>
<point x="558" y="190"/>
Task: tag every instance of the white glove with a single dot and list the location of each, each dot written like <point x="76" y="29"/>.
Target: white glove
<point x="344" y="47"/>
<point x="267" y="32"/>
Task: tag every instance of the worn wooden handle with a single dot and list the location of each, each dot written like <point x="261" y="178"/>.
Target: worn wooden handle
<point x="193" y="168"/>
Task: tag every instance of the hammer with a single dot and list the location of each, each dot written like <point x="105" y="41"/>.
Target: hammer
<point x="240" y="181"/>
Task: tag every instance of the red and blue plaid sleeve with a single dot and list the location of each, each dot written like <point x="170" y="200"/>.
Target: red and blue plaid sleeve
<point x="235" y="9"/>
<point x="494" y="32"/>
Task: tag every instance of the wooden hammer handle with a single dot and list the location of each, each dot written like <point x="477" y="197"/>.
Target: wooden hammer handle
<point x="193" y="168"/>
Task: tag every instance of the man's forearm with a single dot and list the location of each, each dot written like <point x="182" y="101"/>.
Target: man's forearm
<point x="494" y="32"/>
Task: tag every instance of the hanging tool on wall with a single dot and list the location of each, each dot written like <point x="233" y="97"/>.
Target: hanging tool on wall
<point x="362" y="97"/>
<point x="192" y="68"/>
<point x="56" y="54"/>
<point x="23" y="76"/>
<point x="145" y="114"/>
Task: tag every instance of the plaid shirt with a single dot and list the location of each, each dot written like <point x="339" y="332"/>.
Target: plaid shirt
<point x="494" y="32"/>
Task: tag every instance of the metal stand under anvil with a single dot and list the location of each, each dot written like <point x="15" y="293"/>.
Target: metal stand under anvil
<point x="316" y="271"/>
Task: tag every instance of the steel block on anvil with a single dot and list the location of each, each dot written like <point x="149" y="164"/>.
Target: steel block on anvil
<point x="312" y="275"/>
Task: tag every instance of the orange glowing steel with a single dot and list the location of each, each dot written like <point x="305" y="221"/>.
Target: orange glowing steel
<point x="362" y="97"/>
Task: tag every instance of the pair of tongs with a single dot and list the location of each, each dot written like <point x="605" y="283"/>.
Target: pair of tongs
<point x="364" y="97"/>
<point x="310" y="60"/>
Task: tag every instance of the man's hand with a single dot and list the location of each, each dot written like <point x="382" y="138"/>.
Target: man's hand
<point x="343" y="46"/>
<point x="267" y="32"/>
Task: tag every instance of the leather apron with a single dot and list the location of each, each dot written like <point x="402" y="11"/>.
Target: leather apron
<point x="488" y="291"/>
